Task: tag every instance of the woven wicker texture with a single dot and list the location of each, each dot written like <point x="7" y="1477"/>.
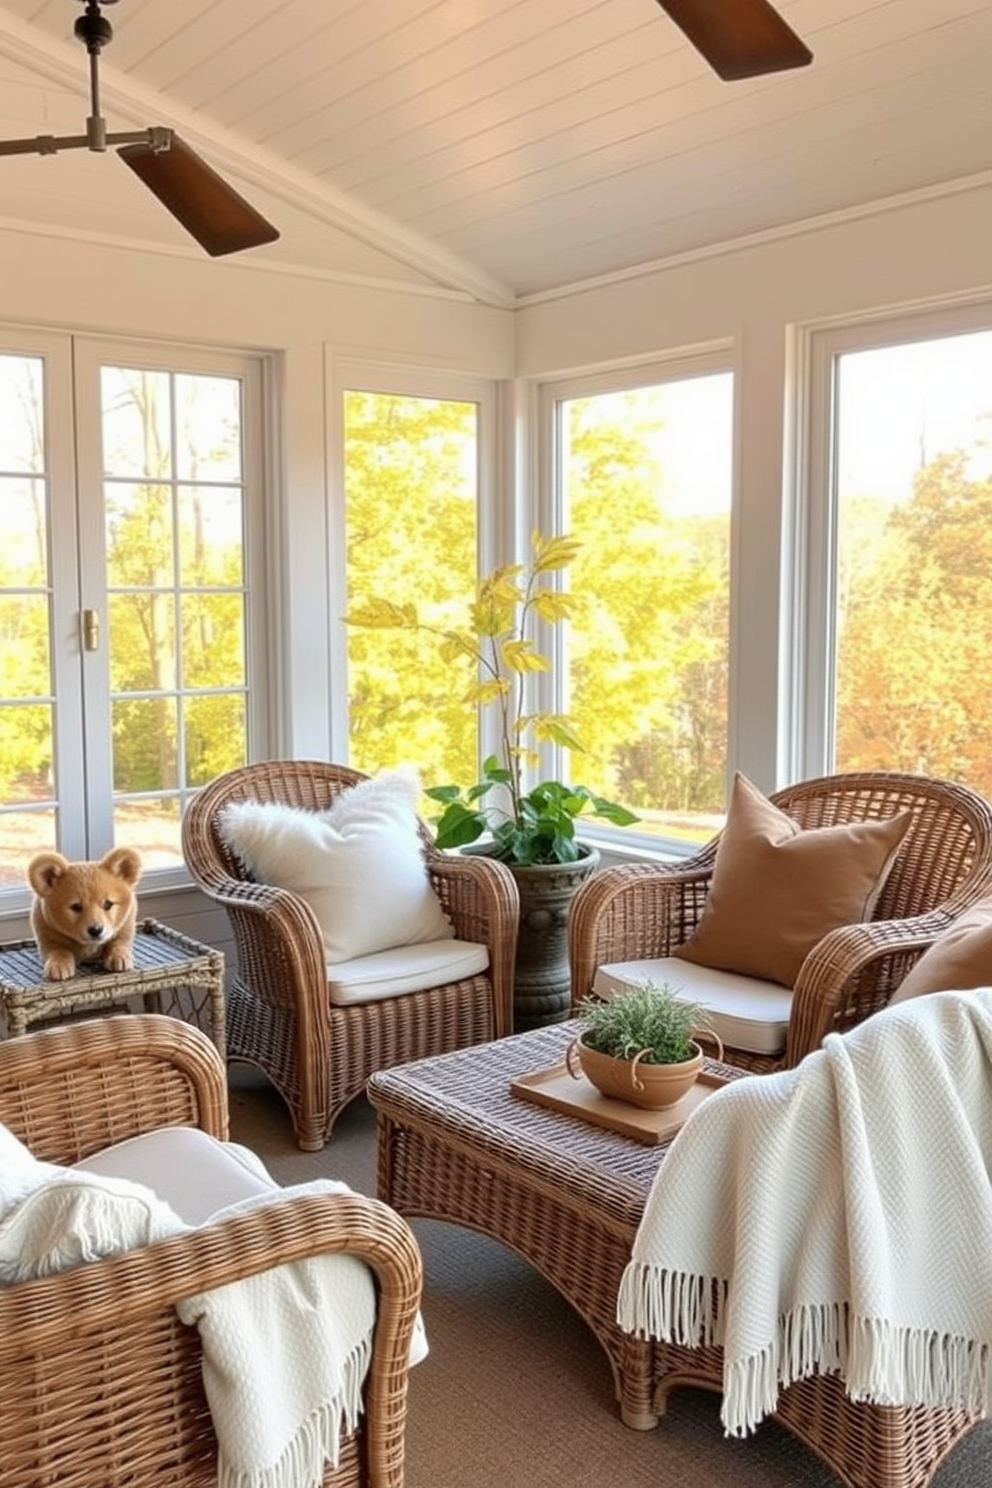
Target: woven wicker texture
<point x="279" y="1015"/>
<point x="454" y="1144"/>
<point x="638" y="912"/>
<point x="101" y="1382"/>
<point x="172" y="974"/>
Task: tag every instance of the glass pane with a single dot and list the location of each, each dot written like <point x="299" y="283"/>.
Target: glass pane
<point x="139" y="534"/>
<point x="142" y="642"/>
<point x="153" y="827"/>
<point x="22" y="437"/>
<point x="411" y="490"/>
<point x="136" y="423"/>
<point x="23" y="532"/>
<point x="23" y="833"/>
<point x="208" y="428"/>
<point x="25" y="656"/>
<point x="213" y="640"/>
<point x="175" y="557"/>
<point x="211" y="535"/>
<point x="145" y="736"/>
<point x="914" y="566"/>
<point x="26" y="753"/>
<point x="215" y="734"/>
<point x="646" y="487"/>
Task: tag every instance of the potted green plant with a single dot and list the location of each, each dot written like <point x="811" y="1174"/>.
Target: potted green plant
<point x="531" y="828"/>
<point x="643" y="1045"/>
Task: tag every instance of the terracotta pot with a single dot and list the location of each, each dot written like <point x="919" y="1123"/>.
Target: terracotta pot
<point x="651" y="1086"/>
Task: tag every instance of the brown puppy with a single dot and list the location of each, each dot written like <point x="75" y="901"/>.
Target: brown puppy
<point x="84" y="911"/>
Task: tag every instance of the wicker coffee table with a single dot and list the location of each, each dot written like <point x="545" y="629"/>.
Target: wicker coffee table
<point x="455" y="1144"/>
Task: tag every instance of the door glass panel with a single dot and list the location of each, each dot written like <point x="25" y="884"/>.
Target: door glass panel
<point x="175" y="541"/>
<point x="913" y="586"/>
<point x="27" y="786"/>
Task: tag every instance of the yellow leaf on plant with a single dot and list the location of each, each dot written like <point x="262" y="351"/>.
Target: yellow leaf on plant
<point x="520" y="656"/>
<point x="553" y="606"/>
<point x="554" y="552"/>
<point x="487" y="691"/>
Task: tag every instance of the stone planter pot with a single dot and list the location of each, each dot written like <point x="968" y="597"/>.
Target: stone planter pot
<point x="542" y="983"/>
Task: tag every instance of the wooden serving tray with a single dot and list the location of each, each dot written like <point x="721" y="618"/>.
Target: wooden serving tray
<point x="556" y="1088"/>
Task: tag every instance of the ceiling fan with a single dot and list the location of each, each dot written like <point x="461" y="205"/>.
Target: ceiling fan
<point x="739" y="38"/>
<point x="209" y="209"/>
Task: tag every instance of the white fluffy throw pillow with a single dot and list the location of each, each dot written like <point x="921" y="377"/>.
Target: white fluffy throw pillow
<point x="359" y="865"/>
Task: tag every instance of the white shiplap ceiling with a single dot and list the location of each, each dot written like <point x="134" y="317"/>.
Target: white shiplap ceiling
<point x="493" y="148"/>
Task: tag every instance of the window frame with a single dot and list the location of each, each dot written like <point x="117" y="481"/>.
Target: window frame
<point x="809" y="721"/>
<point x="546" y="512"/>
<point x="493" y="522"/>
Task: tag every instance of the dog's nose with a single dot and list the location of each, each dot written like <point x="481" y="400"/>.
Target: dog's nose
<point x="94" y="931"/>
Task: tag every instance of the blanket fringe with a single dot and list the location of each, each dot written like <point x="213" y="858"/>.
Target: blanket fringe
<point x="317" y="1442"/>
<point x="881" y="1364"/>
<point x="671" y="1305"/>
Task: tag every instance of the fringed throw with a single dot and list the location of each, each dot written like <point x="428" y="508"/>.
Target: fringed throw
<point x="835" y="1219"/>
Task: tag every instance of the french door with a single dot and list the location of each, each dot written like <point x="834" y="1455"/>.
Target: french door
<point x="131" y="667"/>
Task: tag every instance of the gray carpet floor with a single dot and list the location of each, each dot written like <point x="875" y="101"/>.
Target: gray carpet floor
<point x="516" y="1392"/>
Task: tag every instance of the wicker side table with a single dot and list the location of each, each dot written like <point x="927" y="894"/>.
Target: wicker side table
<point x="172" y="974"/>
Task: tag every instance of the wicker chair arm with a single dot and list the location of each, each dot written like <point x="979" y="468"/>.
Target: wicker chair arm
<point x="481" y="899"/>
<point x="633" y="912"/>
<point x="43" y="1316"/>
<point x="67" y="1091"/>
<point x="852" y="972"/>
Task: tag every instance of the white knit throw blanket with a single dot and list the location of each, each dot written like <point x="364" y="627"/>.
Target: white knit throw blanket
<point x="284" y="1356"/>
<point x="835" y="1218"/>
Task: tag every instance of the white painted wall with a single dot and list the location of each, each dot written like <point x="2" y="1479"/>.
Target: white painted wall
<point x="759" y="294"/>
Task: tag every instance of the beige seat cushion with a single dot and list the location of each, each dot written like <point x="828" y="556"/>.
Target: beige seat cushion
<point x="958" y="961"/>
<point x="778" y="889"/>
<point x="404" y="969"/>
<point x="745" y="1012"/>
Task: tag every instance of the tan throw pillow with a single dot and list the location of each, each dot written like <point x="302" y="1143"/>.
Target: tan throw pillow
<point x="958" y="960"/>
<point x="778" y="889"/>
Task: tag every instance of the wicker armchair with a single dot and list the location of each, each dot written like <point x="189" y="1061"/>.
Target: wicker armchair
<point x="318" y="1055"/>
<point x="101" y="1381"/>
<point x="639" y="912"/>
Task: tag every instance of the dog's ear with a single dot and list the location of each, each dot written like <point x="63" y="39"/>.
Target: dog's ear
<point x="44" y="871"/>
<point x="122" y="862"/>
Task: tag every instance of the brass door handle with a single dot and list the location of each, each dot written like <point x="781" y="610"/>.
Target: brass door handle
<point x="91" y="630"/>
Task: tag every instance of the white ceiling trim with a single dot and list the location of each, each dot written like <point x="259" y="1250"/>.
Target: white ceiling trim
<point x="977" y="182"/>
<point x="67" y="66"/>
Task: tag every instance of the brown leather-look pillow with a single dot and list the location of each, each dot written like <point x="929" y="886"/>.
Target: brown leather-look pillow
<point x="959" y="960"/>
<point x="777" y="889"/>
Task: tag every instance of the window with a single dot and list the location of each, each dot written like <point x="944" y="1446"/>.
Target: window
<point x="642" y="477"/>
<point x="126" y="485"/>
<point x="901" y="550"/>
<point x="412" y="477"/>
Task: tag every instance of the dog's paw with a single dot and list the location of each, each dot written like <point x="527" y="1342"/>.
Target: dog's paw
<point x="60" y="966"/>
<point x="117" y="960"/>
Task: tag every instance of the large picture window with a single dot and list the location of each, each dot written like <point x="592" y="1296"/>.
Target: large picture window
<point x="904" y="548"/>
<point x="642" y="478"/>
<point x="411" y="496"/>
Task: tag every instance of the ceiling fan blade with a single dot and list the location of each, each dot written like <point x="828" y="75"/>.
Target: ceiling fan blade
<point x="209" y="209"/>
<point x="747" y="38"/>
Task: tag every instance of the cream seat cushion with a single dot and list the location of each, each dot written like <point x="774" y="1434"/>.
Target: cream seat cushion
<point x="777" y="889"/>
<point x="745" y="1012"/>
<point x="402" y="969"/>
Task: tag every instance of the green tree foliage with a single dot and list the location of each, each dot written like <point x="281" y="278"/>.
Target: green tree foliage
<point x="410" y="493"/>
